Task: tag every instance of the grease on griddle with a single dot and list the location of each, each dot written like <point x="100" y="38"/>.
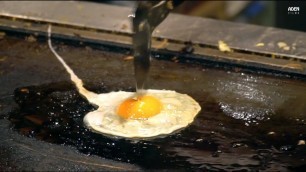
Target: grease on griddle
<point x="56" y="116"/>
<point x="54" y="113"/>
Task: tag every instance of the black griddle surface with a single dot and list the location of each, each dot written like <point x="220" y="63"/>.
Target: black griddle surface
<point x="245" y="122"/>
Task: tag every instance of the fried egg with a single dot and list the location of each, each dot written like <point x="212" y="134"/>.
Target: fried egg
<point x="127" y="114"/>
<point x="135" y="115"/>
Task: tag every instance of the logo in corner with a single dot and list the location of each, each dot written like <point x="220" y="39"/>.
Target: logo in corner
<point x="293" y="10"/>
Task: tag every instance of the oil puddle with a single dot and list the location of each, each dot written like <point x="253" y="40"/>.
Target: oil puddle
<point x="54" y="113"/>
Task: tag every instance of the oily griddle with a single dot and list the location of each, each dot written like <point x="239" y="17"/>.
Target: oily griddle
<point x="216" y="140"/>
<point x="54" y="113"/>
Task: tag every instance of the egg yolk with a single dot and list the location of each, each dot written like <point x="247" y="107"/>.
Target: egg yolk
<point x="141" y="107"/>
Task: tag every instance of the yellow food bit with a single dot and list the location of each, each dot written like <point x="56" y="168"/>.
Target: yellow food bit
<point x="260" y="44"/>
<point x="224" y="47"/>
<point x="283" y="45"/>
<point x="301" y="142"/>
<point x="163" y="44"/>
<point x="170" y="5"/>
<point x="124" y="26"/>
<point x="294" y="66"/>
<point x="128" y="58"/>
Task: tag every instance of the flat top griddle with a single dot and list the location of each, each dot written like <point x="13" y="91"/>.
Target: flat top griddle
<point x="244" y="123"/>
<point x="253" y="99"/>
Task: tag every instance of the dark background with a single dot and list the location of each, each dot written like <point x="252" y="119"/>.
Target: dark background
<point x="266" y="13"/>
<point x="290" y="21"/>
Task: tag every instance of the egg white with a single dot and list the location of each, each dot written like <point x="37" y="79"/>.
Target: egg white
<point x="178" y="111"/>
